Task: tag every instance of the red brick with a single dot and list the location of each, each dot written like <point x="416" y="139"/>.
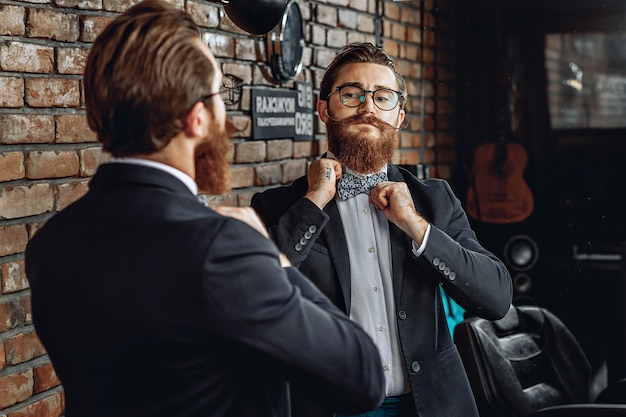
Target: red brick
<point x="13" y="238"/>
<point x="11" y="166"/>
<point x="244" y="198"/>
<point x="293" y="169"/>
<point x="392" y="11"/>
<point x="244" y="124"/>
<point x="326" y="15"/>
<point x="3" y="360"/>
<point x="279" y="149"/>
<point x="25" y="200"/>
<point x="347" y="19"/>
<point x="26" y="309"/>
<point x="323" y="57"/>
<point x="303" y="149"/>
<point x="90" y="160"/>
<point x="15" y="388"/>
<point x="52" y="92"/>
<point x="26" y="128"/>
<point x="222" y="46"/>
<point x="336" y="38"/>
<point x="267" y="175"/>
<point x="71" y="60"/>
<point x="9" y="316"/>
<point x="93" y="26"/>
<point x="12" y="20"/>
<point x="14" y="311"/>
<point x="407" y="157"/>
<point x="359" y="37"/>
<point x="79" y="4"/>
<point x="23" y="347"/>
<point x="70" y="192"/>
<point x="205" y="15"/>
<point x="26" y="57"/>
<point x="318" y="35"/>
<point x="53" y="25"/>
<point x="117" y="5"/>
<point x="11" y="92"/>
<point x="51" y="164"/>
<point x="249" y="151"/>
<point x="45" y="378"/>
<point x="13" y="277"/>
<point x="245" y="49"/>
<point x="73" y="128"/>
<point x="51" y="406"/>
<point x="242" y="177"/>
<point x="366" y="24"/>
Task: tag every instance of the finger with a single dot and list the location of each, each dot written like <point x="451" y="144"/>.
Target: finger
<point x="336" y="166"/>
<point x="378" y="197"/>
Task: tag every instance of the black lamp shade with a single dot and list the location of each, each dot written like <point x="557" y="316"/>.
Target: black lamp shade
<point x="255" y="16"/>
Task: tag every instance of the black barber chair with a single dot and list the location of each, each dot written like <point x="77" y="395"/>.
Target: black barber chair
<point x="529" y="364"/>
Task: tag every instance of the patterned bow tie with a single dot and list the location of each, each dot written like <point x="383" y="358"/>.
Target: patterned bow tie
<point x="350" y="185"/>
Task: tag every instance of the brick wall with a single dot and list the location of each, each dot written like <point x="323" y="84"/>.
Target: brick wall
<point x="48" y="153"/>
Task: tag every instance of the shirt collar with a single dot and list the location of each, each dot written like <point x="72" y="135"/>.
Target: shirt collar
<point x="184" y="178"/>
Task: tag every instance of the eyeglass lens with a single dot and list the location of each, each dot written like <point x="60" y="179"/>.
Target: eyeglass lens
<point x="353" y="96"/>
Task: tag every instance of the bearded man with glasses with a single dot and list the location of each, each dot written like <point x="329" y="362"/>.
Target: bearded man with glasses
<point x="380" y="243"/>
<point x="151" y="304"/>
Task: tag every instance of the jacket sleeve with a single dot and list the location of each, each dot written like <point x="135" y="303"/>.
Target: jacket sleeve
<point x="255" y="302"/>
<point x="294" y="224"/>
<point x="473" y="276"/>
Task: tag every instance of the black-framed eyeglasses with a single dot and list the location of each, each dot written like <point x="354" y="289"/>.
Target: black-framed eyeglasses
<point x="230" y="92"/>
<point x="384" y="98"/>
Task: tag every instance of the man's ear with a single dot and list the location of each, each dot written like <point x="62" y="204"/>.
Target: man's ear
<point x="322" y="110"/>
<point x="401" y="116"/>
<point x="195" y="121"/>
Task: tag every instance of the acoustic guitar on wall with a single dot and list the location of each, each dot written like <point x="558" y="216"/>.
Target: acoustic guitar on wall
<point x="498" y="192"/>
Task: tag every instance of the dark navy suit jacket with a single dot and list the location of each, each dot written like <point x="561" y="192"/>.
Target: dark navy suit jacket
<point x="453" y="258"/>
<point x="151" y="304"/>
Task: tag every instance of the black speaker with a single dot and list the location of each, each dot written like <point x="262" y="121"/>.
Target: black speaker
<point x="520" y="254"/>
<point x="518" y="246"/>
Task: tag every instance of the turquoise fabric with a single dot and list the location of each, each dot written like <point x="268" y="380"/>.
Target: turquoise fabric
<point x="392" y="407"/>
<point x="454" y="312"/>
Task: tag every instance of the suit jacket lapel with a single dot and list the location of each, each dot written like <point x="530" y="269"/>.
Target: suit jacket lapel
<point x="338" y="250"/>
<point x="400" y="242"/>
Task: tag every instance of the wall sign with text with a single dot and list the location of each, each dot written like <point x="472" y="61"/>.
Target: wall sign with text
<point x="282" y="113"/>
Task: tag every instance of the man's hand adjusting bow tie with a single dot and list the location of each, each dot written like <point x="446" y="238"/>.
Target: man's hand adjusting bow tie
<point x="350" y="185"/>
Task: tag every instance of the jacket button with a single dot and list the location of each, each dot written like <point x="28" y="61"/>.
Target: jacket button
<point x="451" y="276"/>
<point x="298" y="247"/>
<point x="415" y="366"/>
<point x="303" y="241"/>
<point x="312" y="228"/>
<point x="436" y="261"/>
<point x="446" y="271"/>
<point x="442" y="266"/>
<point x="401" y="314"/>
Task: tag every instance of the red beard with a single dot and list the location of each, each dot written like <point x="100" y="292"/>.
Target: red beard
<point x="212" y="167"/>
<point x="358" y="151"/>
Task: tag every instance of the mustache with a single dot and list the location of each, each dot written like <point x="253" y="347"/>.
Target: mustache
<point x="363" y="118"/>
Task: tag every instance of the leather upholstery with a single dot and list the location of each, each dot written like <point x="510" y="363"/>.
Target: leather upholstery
<point x="526" y="362"/>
